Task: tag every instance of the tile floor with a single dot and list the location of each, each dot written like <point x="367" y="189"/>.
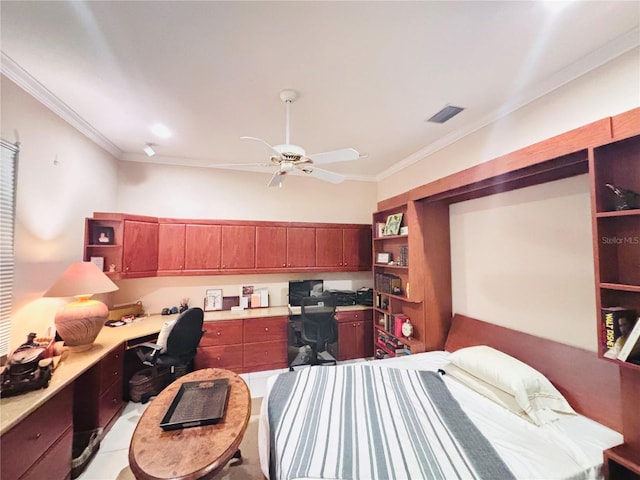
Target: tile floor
<point x="112" y="459"/>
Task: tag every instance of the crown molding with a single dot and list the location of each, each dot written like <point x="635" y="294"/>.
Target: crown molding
<point x="584" y="65"/>
<point x="24" y="80"/>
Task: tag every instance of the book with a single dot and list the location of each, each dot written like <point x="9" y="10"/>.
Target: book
<point x="611" y="320"/>
<point x="631" y="346"/>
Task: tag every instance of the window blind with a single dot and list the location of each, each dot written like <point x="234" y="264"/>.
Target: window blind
<point x="8" y="174"/>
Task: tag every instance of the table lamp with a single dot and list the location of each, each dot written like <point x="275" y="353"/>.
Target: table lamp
<point x="79" y="322"/>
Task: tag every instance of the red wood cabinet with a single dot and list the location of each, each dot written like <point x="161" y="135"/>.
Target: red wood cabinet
<point x="171" y="247"/>
<point x="329" y="248"/>
<point x="221" y="346"/>
<point x="202" y="247"/>
<point x="40" y="446"/>
<point x="238" y="247"/>
<point x="355" y="331"/>
<point x="301" y="247"/>
<point x="140" y="249"/>
<point x="265" y="343"/>
<point x="271" y="247"/>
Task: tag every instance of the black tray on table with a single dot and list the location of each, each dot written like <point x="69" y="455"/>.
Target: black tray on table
<point x="197" y="403"/>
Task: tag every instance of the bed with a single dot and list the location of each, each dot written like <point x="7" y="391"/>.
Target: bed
<point x="546" y="412"/>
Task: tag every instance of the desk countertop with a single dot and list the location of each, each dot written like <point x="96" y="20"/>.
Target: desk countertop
<point x="72" y="365"/>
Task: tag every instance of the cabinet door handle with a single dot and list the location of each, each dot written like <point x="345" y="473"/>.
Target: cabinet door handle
<point x="266" y="329"/>
<point x="218" y="358"/>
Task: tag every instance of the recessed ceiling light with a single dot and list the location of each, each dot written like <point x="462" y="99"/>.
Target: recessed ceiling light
<point x="160" y="130"/>
<point x="445" y="114"/>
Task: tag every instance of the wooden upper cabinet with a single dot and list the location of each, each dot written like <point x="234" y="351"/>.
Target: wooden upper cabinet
<point x="238" y="247"/>
<point x="171" y="242"/>
<point x="140" y="249"/>
<point x="202" y="247"/>
<point x="356" y="248"/>
<point x="301" y="247"/>
<point x="329" y="247"/>
<point x="271" y="247"/>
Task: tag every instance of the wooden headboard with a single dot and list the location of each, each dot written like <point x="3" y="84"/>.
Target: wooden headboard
<point x="590" y="384"/>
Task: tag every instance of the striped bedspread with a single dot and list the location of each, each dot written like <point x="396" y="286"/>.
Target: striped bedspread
<point x="365" y="422"/>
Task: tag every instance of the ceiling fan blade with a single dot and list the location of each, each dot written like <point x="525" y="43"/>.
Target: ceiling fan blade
<point x="322" y="174"/>
<point x="276" y="179"/>
<point x="272" y="150"/>
<point x="343" y="155"/>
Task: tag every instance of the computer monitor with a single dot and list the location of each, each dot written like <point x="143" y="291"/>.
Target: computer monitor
<point x="299" y="289"/>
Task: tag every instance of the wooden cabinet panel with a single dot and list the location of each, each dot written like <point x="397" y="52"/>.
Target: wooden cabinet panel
<point x="271" y="247"/>
<point x="171" y="243"/>
<point x="110" y="404"/>
<point x="356" y="248"/>
<point x="265" y="329"/>
<point x="55" y="463"/>
<point x="202" y="247"/>
<point x="28" y="441"/>
<point x="140" y="249"/>
<point x="265" y="355"/>
<point x="355" y="334"/>
<point x="224" y="332"/>
<point x="329" y="247"/>
<point x="301" y="247"/>
<point x="223" y="356"/>
<point x="238" y="247"/>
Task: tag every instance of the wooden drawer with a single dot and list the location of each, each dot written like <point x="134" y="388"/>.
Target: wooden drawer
<point x="24" y="444"/>
<point x="110" y="404"/>
<point x="55" y="463"/>
<point x="265" y="329"/>
<point x="353" y="315"/>
<point x="111" y="368"/>
<point x="224" y="356"/>
<point x="265" y="355"/>
<point x="224" y="332"/>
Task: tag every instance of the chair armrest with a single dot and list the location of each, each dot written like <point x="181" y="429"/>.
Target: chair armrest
<point x="150" y="357"/>
<point x="153" y="346"/>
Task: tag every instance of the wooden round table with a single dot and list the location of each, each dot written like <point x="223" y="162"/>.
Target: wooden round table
<point x="195" y="452"/>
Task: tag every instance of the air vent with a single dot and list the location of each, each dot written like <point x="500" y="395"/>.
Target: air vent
<point x="445" y="114"/>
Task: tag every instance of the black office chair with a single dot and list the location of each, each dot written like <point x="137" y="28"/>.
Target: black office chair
<point x="318" y="327"/>
<point x="181" y="344"/>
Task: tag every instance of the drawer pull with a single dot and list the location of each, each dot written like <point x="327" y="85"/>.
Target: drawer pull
<point x="219" y="333"/>
<point x="37" y="436"/>
<point x="218" y="358"/>
<point x="266" y="329"/>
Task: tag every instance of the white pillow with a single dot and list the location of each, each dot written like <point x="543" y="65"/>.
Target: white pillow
<point x="163" y="336"/>
<point x="533" y="392"/>
<point x="502" y="398"/>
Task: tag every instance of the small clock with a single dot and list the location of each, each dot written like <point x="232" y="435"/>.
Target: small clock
<point x="407" y="329"/>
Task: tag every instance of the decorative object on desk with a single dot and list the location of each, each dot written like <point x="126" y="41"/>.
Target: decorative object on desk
<point x="625" y="199"/>
<point x="29" y="367"/>
<point x="80" y="321"/>
<point x="112" y="267"/>
<point x="245" y="295"/>
<point x="259" y="298"/>
<point x="119" y="311"/>
<point x="184" y="305"/>
<point x="383" y="258"/>
<point x="101" y="235"/>
<point x="99" y="261"/>
<point x="213" y="299"/>
<point x="392" y="227"/>
<point x="407" y="328"/>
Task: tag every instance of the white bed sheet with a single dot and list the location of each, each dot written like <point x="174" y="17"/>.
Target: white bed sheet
<point x="569" y="449"/>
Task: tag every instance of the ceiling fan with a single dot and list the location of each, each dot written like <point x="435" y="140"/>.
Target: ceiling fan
<point x="288" y="157"/>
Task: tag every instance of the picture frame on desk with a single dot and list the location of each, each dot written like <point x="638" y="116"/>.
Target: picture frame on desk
<point x="213" y="299"/>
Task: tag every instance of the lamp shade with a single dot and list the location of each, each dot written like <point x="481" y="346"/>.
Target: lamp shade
<point x="79" y="322"/>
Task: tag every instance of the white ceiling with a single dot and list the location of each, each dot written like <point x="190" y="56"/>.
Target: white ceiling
<point x="368" y="73"/>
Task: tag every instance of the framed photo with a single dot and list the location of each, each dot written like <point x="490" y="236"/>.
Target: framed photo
<point x="383" y="257"/>
<point x="392" y="227"/>
<point x="213" y="299"/>
<point x="99" y="261"/>
<point x="102" y="235"/>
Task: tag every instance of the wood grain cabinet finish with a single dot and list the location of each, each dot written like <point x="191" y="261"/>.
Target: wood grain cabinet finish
<point x="355" y="331"/>
<point x="356" y="248"/>
<point x="171" y="247"/>
<point x="140" y="249"/>
<point x="40" y="446"/>
<point x="329" y="248"/>
<point x="265" y="343"/>
<point x="271" y="247"/>
<point x="221" y="346"/>
<point x="301" y="247"/>
<point x="98" y="394"/>
<point x="202" y="247"/>
<point x="238" y="247"/>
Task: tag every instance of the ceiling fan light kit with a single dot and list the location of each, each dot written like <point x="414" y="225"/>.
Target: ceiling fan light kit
<point x="288" y="157"/>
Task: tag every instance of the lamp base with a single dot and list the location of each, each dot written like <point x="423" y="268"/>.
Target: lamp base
<point x="79" y="323"/>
